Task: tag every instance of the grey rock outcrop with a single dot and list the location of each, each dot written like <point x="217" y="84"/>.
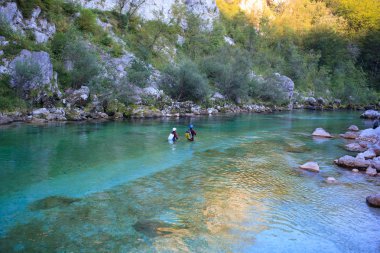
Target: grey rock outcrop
<point x="206" y="9"/>
<point x="285" y="84"/>
<point x="39" y="26"/>
<point x="46" y="80"/>
<point x="77" y="98"/>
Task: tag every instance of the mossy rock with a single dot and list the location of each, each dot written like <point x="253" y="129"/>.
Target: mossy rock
<point x="52" y="202"/>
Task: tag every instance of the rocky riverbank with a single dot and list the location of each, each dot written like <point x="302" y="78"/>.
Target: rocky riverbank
<point x="366" y="143"/>
<point x="81" y="105"/>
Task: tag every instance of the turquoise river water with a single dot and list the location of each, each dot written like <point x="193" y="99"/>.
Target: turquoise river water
<point x="121" y="187"/>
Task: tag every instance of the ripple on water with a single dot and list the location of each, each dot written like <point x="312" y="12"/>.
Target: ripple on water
<point x="241" y="195"/>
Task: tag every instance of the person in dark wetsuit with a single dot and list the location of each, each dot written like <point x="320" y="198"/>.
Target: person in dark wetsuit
<point x="375" y="124"/>
<point x="192" y="133"/>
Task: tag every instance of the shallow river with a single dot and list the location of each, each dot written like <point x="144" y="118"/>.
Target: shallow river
<point x="121" y="187"/>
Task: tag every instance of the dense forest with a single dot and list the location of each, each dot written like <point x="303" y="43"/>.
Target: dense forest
<point x="329" y="48"/>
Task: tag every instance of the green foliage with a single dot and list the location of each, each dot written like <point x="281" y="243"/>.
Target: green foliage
<point x="9" y="101"/>
<point x="361" y="15"/>
<point x="138" y="74"/>
<point x="370" y="57"/>
<point x="84" y="63"/>
<point x="5" y="28"/>
<point x="87" y="22"/>
<point x="27" y="6"/>
<point x="268" y="91"/>
<point x="229" y="69"/>
<point x="185" y="82"/>
<point x="27" y="75"/>
<point x="151" y="39"/>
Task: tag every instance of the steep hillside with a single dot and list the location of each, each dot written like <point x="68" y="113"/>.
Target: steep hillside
<point x="104" y="58"/>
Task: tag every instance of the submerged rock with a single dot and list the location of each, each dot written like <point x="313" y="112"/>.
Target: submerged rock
<point x="297" y="149"/>
<point x="373" y="200"/>
<point x="331" y="180"/>
<point x="355" y="147"/>
<point x="352" y="162"/>
<point x="320" y="132"/>
<point x="349" y="135"/>
<point x="51" y="202"/>
<point x="353" y="128"/>
<point x="375" y="163"/>
<point x="153" y="228"/>
<point x="310" y="166"/>
<point x="369" y="154"/>
<point x="371" y="172"/>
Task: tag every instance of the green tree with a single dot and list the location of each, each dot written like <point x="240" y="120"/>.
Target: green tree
<point x="185" y="82"/>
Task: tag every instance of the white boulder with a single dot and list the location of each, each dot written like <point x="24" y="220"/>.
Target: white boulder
<point x="310" y="166"/>
<point x="320" y="132"/>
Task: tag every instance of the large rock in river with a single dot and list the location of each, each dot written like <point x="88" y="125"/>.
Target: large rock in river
<point x="320" y="132"/>
<point x="355" y="147"/>
<point x="373" y="200"/>
<point x="371" y="172"/>
<point x="310" y="166"/>
<point x="349" y="135"/>
<point x="370" y="114"/>
<point x="370" y="135"/>
<point x="352" y="162"/>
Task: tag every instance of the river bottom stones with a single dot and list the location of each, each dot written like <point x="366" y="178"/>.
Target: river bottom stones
<point x="51" y="202"/>
<point x="373" y="200"/>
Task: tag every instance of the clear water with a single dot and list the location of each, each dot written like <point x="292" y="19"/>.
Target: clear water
<point x="120" y="187"/>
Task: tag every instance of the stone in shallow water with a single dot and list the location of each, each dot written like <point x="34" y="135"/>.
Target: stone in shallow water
<point x="153" y="228"/>
<point x="349" y="135"/>
<point x="320" y="132"/>
<point x="331" y="180"/>
<point x="355" y="170"/>
<point x="310" y="166"/>
<point x="51" y="202"/>
<point x="355" y="147"/>
<point x="352" y="162"/>
<point x="371" y="172"/>
<point x="369" y="154"/>
<point x="297" y="149"/>
<point x="353" y="128"/>
<point x="373" y="200"/>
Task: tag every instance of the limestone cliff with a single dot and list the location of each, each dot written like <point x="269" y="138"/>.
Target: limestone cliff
<point x="206" y="9"/>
